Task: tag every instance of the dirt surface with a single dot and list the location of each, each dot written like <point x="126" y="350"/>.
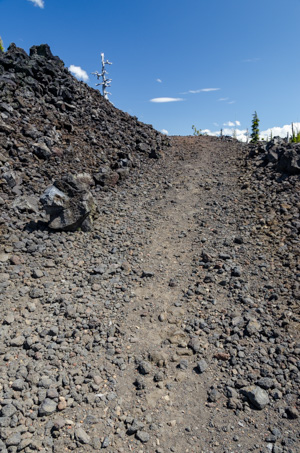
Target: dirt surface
<point x="202" y="217"/>
<point x="172" y="327"/>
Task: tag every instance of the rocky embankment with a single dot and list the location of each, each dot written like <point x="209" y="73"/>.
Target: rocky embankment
<point x="172" y="325"/>
<point x="52" y="126"/>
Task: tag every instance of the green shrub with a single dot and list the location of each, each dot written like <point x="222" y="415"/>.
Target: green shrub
<point x="196" y="131"/>
<point x="296" y="138"/>
<point x="295" y="135"/>
<point x="1" y="45"/>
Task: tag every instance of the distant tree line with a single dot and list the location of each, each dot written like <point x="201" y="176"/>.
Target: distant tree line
<point x="294" y="138"/>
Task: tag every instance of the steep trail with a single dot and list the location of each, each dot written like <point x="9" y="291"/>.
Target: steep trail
<point x="193" y="197"/>
<point x="202" y="213"/>
<point x="200" y="192"/>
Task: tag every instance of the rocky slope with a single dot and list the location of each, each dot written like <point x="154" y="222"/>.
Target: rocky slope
<point x="171" y="326"/>
<point x="52" y="125"/>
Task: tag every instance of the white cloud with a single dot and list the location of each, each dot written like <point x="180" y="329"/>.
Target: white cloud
<point x="231" y="102"/>
<point x="208" y="89"/>
<point x="164" y="131"/>
<point x="223" y="99"/>
<point x="78" y="72"/>
<point x="160" y="100"/>
<point x="238" y="123"/>
<point x="39" y="3"/>
<point x="159" y="80"/>
<point x="229" y="123"/>
<point x="201" y="90"/>
<point x="240" y="134"/>
<point x="244" y="135"/>
<point x="279" y="131"/>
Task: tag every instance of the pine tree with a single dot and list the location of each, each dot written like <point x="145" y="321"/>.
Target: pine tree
<point x="255" y="130"/>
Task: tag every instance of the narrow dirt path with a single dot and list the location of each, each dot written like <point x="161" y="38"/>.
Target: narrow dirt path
<point x="198" y="263"/>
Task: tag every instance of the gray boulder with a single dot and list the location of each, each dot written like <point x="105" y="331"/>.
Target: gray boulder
<point x="257" y="396"/>
<point x="289" y="162"/>
<point x="69" y="204"/>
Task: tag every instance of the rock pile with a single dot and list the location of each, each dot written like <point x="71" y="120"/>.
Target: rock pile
<point x="52" y="125"/>
<point x="279" y="155"/>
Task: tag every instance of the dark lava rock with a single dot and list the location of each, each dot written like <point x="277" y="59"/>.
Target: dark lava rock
<point x="69" y="209"/>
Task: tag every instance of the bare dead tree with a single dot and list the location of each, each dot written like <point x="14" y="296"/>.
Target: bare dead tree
<point x="105" y="81"/>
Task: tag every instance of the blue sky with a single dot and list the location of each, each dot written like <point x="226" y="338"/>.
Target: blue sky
<point x="176" y="63"/>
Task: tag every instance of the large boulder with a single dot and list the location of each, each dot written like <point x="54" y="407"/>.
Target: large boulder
<point x="289" y="161"/>
<point x="69" y="204"/>
<point x="285" y="156"/>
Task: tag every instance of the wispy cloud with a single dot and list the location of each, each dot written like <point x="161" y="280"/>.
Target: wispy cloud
<point x="206" y="90"/>
<point x="159" y="80"/>
<point x="78" y="72"/>
<point x="232" y="123"/>
<point x="251" y="60"/>
<point x="201" y="90"/>
<point x="39" y="3"/>
<point x="226" y="100"/>
<point x="164" y="131"/>
<point x="229" y="123"/>
<point x="161" y="100"/>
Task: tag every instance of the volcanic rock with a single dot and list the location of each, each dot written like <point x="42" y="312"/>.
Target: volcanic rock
<point x="70" y="206"/>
